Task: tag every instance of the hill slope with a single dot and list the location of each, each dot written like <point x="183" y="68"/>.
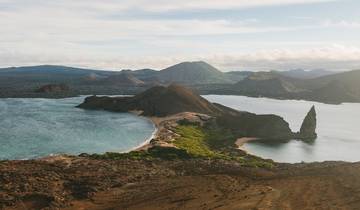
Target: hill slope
<point x="56" y="72"/>
<point x="268" y="84"/>
<point x="303" y="74"/>
<point x="157" y="101"/>
<point x="335" y="88"/>
<point x="122" y="79"/>
<point x="192" y="73"/>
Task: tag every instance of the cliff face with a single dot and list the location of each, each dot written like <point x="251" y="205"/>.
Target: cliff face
<point x="245" y="124"/>
<point x="308" y="127"/>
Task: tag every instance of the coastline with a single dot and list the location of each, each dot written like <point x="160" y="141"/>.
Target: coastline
<point x="163" y="131"/>
<point x="142" y="146"/>
<point x="241" y="141"/>
<point x="164" y="134"/>
<point x="145" y="145"/>
<point x="157" y="136"/>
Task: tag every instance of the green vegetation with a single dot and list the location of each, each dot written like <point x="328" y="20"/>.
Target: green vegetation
<point x="202" y="142"/>
<point x="155" y="152"/>
<point x="194" y="142"/>
<point x="193" y="139"/>
<point x="187" y="122"/>
<point x="205" y="142"/>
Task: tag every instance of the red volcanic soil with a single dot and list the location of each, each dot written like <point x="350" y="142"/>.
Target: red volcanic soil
<point x="86" y="183"/>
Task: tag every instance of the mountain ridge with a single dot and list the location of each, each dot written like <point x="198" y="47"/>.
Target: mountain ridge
<point x="200" y="76"/>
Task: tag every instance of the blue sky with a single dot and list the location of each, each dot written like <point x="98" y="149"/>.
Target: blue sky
<point x="229" y="34"/>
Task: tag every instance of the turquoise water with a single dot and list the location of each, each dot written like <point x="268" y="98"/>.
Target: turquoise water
<point x="32" y="128"/>
<point x="338" y="129"/>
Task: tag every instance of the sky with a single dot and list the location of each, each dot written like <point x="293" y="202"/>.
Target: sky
<point x="232" y="35"/>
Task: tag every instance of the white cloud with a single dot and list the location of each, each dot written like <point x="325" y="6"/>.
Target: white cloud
<point x="341" y="23"/>
<point x="165" y="5"/>
<point x="76" y="33"/>
<point x="150" y="5"/>
<point x="335" y="57"/>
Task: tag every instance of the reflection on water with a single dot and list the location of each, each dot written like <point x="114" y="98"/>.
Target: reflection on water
<point x="337" y="128"/>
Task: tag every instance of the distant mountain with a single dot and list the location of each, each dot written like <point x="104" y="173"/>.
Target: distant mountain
<point x="22" y="81"/>
<point x="237" y="76"/>
<point x="188" y="73"/>
<point x="192" y="73"/>
<point x="306" y="74"/>
<point x="334" y="88"/>
<point x="269" y="84"/>
<point x="267" y="87"/>
<point x="46" y="74"/>
<point x="51" y="70"/>
<point x="121" y="79"/>
<point x="143" y="74"/>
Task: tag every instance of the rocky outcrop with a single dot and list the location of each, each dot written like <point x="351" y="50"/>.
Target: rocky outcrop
<point x="246" y="124"/>
<point x="159" y="101"/>
<point x="308" y="127"/>
<point x="166" y="101"/>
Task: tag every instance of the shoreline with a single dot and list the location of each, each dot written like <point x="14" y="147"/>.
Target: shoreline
<point x="142" y="146"/>
<point x="162" y="132"/>
<point x="240" y="142"/>
<point x="147" y="142"/>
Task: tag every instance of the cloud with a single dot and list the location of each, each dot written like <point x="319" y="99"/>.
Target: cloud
<point x="153" y="5"/>
<point x="82" y="33"/>
<point x="341" y="24"/>
<point x="335" y="57"/>
<point x="164" y="5"/>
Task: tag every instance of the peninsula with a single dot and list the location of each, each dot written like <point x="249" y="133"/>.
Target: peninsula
<point x="165" y="101"/>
